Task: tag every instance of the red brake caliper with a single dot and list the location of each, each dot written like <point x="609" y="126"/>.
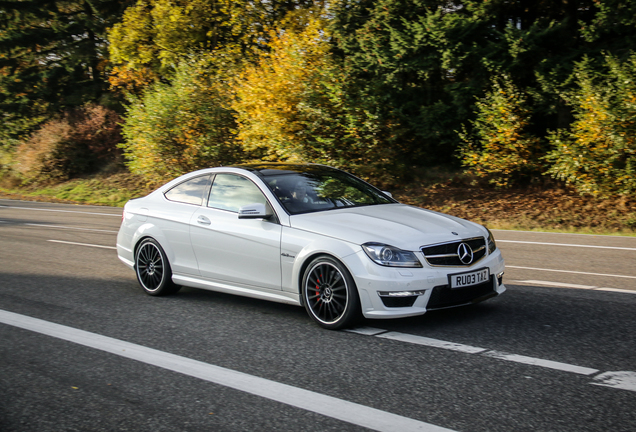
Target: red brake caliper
<point x="318" y="290"/>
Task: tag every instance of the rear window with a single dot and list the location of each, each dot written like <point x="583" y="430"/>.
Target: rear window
<point x="190" y="191"/>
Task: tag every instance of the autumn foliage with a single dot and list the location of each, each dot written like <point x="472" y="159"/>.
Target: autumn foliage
<point x="297" y="104"/>
<point x="512" y="92"/>
<point x="179" y="127"/>
<point x="79" y="142"/>
<point x="502" y="149"/>
<point x="597" y="154"/>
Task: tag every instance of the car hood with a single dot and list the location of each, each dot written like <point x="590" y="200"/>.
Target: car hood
<point x="398" y="225"/>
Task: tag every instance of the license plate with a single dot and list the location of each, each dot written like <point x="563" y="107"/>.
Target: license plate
<point x="460" y="280"/>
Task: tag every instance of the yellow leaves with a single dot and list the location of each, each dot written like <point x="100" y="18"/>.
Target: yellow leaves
<point x="270" y="95"/>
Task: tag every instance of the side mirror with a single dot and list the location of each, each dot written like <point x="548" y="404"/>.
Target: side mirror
<point x="254" y="211"/>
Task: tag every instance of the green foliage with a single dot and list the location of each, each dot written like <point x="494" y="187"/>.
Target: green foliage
<point x="182" y="126"/>
<point x="77" y="143"/>
<point x="297" y="104"/>
<point x="430" y="59"/>
<point x="52" y="58"/>
<point x="155" y="35"/>
<point x="501" y="148"/>
<point x="597" y="154"/>
<point x="368" y="85"/>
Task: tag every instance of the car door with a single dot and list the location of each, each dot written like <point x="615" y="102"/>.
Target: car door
<point x="240" y="252"/>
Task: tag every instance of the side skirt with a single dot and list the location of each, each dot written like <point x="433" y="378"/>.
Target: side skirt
<point x="276" y="296"/>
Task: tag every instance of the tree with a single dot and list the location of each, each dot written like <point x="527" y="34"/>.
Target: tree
<point x="52" y="57"/>
<point x="155" y="35"/>
<point x="297" y="104"/>
<point x="181" y="126"/>
<point x="431" y="59"/>
<point x="597" y="154"/>
<point x="502" y="149"/>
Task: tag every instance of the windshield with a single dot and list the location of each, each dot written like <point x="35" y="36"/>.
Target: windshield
<point x="319" y="189"/>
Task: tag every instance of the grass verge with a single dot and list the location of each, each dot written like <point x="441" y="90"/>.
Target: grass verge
<point x="529" y="209"/>
<point x="113" y="190"/>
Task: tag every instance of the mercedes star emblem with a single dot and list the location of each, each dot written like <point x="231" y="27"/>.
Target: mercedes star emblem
<point x="465" y="253"/>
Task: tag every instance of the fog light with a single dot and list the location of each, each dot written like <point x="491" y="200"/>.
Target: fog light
<point x="400" y="293"/>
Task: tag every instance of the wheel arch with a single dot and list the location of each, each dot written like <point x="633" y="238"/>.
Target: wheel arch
<point x="140" y="240"/>
<point x="303" y="267"/>
<point x="150" y="231"/>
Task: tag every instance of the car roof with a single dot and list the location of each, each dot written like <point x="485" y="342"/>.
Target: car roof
<point x="266" y="169"/>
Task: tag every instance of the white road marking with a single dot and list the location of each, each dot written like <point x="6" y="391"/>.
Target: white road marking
<point x="617" y="290"/>
<point x="60" y="211"/>
<point x="436" y="343"/>
<point x="568" y="245"/>
<point x="367" y="331"/>
<point x="569" y="285"/>
<point x="625" y="380"/>
<point x="328" y="406"/>
<point x="561" y="233"/>
<point x="83" y="244"/>
<point x="69" y="228"/>
<point x="540" y="362"/>
<point x="569" y="271"/>
<point x="555" y="284"/>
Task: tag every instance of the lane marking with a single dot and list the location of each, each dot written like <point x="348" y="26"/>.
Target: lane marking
<point x="70" y="228"/>
<point x="452" y="346"/>
<point x="60" y="211"/>
<point x="556" y="284"/>
<point x="563" y="233"/>
<point x="569" y="285"/>
<point x="542" y="363"/>
<point x="436" y="343"/>
<point x="82" y="244"/>
<point x="570" y="271"/>
<point x="617" y="290"/>
<point x="568" y="245"/>
<point x="328" y="406"/>
<point x="625" y="380"/>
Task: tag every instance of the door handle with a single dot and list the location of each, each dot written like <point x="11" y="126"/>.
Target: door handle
<point x="203" y="220"/>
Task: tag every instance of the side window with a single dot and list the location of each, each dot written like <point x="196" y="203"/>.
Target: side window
<point x="231" y="192"/>
<point x="191" y="191"/>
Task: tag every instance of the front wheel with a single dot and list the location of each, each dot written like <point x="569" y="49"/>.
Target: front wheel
<point x="330" y="294"/>
<point x="153" y="269"/>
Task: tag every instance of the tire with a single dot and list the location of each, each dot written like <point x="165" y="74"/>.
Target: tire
<point x="329" y="294"/>
<point x="153" y="269"/>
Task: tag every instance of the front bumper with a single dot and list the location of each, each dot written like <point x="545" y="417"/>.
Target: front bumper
<point x="389" y="292"/>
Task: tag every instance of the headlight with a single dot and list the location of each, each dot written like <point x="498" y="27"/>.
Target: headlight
<point x="390" y="256"/>
<point x="491" y="242"/>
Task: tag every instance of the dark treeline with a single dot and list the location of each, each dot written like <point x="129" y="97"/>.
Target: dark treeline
<point x="513" y="91"/>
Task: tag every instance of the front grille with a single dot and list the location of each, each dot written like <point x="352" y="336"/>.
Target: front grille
<point x="443" y="296"/>
<point x="406" y="301"/>
<point x="445" y="254"/>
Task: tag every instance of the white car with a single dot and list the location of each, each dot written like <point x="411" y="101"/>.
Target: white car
<point x="306" y="235"/>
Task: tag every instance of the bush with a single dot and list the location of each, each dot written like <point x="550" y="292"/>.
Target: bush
<point x="297" y="104"/>
<point x="181" y="126"/>
<point x="45" y="154"/>
<point x="500" y="148"/>
<point x="79" y="142"/>
<point x="597" y="155"/>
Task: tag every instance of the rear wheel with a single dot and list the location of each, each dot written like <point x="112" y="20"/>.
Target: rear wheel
<point x="153" y="269"/>
<point x="330" y="294"/>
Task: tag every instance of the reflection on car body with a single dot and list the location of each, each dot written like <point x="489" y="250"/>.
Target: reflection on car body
<point x="309" y="235"/>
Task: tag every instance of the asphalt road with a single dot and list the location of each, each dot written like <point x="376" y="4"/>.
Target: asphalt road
<point x="82" y="348"/>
